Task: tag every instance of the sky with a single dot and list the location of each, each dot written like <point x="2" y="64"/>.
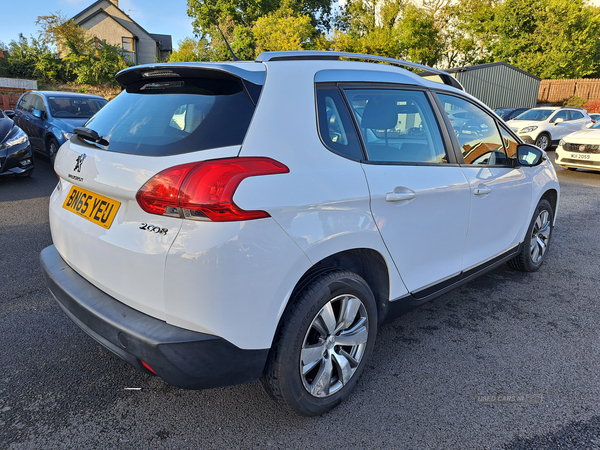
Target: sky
<point x="155" y="16"/>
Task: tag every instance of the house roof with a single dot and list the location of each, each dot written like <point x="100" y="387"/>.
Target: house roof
<point x="153" y="36"/>
<point x="487" y="65"/>
<point x="164" y="40"/>
<point x="101" y="12"/>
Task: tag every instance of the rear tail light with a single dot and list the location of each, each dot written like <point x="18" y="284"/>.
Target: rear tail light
<point x="204" y="190"/>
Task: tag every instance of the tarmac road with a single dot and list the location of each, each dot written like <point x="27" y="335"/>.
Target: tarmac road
<point x="510" y="360"/>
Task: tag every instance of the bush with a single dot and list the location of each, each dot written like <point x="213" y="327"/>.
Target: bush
<point x="575" y="101"/>
<point x="593" y="106"/>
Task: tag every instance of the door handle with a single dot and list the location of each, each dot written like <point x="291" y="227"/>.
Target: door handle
<point x="482" y="189"/>
<point x="402" y="196"/>
<point x="27" y="118"/>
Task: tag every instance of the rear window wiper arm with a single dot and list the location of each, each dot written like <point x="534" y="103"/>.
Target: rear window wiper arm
<point x="90" y="135"/>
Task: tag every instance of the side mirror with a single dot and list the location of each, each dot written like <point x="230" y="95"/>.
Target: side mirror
<point x="559" y="120"/>
<point x="529" y="155"/>
<point x="37" y="113"/>
<point x="9" y="113"/>
<point x="589" y="125"/>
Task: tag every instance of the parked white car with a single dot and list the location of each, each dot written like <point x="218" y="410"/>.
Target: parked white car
<point x="546" y="126"/>
<point x="580" y="149"/>
<point x="213" y="225"/>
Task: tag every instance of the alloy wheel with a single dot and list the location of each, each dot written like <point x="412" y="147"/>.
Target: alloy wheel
<point x="334" y="345"/>
<point x="540" y="236"/>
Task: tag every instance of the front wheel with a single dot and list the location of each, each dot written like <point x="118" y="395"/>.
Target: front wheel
<point x="543" y="141"/>
<point x="321" y="348"/>
<point x="537" y="240"/>
<point x="52" y="148"/>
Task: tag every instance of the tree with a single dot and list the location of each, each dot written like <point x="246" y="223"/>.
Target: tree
<point x="284" y="29"/>
<point x="192" y="50"/>
<point x="548" y="38"/>
<point x="389" y="28"/>
<point x="467" y="31"/>
<point x="86" y="59"/>
<point x="246" y="12"/>
<point x="31" y="60"/>
<point x="239" y="19"/>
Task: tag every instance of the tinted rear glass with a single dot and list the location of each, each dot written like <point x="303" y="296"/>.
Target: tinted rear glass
<point x="161" y="118"/>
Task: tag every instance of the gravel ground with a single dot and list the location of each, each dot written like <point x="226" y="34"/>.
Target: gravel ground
<point x="508" y="361"/>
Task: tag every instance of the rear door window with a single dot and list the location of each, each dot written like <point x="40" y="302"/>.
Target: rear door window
<point x="397" y="126"/>
<point x="161" y="118"/>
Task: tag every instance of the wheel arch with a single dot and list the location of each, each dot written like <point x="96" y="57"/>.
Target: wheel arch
<point x="551" y="195"/>
<point x="369" y="264"/>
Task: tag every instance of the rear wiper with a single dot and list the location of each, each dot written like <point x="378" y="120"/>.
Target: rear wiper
<point x="90" y="135"/>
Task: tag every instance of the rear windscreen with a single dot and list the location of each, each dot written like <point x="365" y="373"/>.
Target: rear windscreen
<point x="171" y="117"/>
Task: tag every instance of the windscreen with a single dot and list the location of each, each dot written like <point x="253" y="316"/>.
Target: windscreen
<point x="535" y="114"/>
<point x="74" y="107"/>
<point x="161" y="118"/>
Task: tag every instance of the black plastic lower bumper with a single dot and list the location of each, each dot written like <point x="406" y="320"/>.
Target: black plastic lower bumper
<point x="181" y="357"/>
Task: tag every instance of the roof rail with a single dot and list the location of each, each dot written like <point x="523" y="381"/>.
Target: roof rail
<point x="315" y="55"/>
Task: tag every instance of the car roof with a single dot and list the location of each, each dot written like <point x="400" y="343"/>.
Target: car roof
<point x="66" y="94"/>
<point x="255" y="71"/>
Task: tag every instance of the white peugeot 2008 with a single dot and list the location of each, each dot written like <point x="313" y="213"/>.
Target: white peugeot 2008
<point x="220" y="223"/>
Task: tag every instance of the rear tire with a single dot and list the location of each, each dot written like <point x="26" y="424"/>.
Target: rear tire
<point x="323" y="343"/>
<point x="537" y="240"/>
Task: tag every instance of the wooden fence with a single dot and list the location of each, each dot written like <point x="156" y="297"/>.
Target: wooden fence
<point x="9" y="101"/>
<point x="554" y="91"/>
<point x="11" y="89"/>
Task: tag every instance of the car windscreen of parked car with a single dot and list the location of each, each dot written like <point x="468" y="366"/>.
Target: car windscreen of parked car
<point x="187" y="115"/>
<point x="74" y="107"/>
<point x="535" y="114"/>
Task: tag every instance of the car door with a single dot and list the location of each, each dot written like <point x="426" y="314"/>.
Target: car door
<point x="420" y="198"/>
<point x="559" y="130"/>
<point x="500" y="194"/>
<point x="37" y="125"/>
<point x="577" y="121"/>
<point x="22" y="111"/>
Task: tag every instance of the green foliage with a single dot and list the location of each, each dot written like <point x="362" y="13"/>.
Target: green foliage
<point x="95" y="63"/>
<point x="283" y="29"/>
<point x="192" y="50"/>
<point x="548" y="38"/>
<point x="31" y="60"/>
<point x="466" y="29"/>
<point x="575" y="101"/>
<point x="389" y="28"/>
<point x="205" y="13"/>
<point x="64" y="52"/>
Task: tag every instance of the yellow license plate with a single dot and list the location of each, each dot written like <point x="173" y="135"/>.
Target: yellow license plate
<point x="91" y="206"/>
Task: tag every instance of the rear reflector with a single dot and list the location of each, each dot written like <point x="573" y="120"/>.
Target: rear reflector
<point x="145" y="364"/>
<point x="204" y="190"/>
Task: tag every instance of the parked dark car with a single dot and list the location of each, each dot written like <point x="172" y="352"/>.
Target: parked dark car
<point x="16" y="156"/>
<point x="49" y="118"/>
<point x="510" y="113"/>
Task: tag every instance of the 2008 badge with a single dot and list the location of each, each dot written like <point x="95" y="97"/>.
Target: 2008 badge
<point x="154" y="228"/>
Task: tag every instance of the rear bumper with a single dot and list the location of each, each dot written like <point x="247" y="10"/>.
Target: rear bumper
<point x="181" y="357"/>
